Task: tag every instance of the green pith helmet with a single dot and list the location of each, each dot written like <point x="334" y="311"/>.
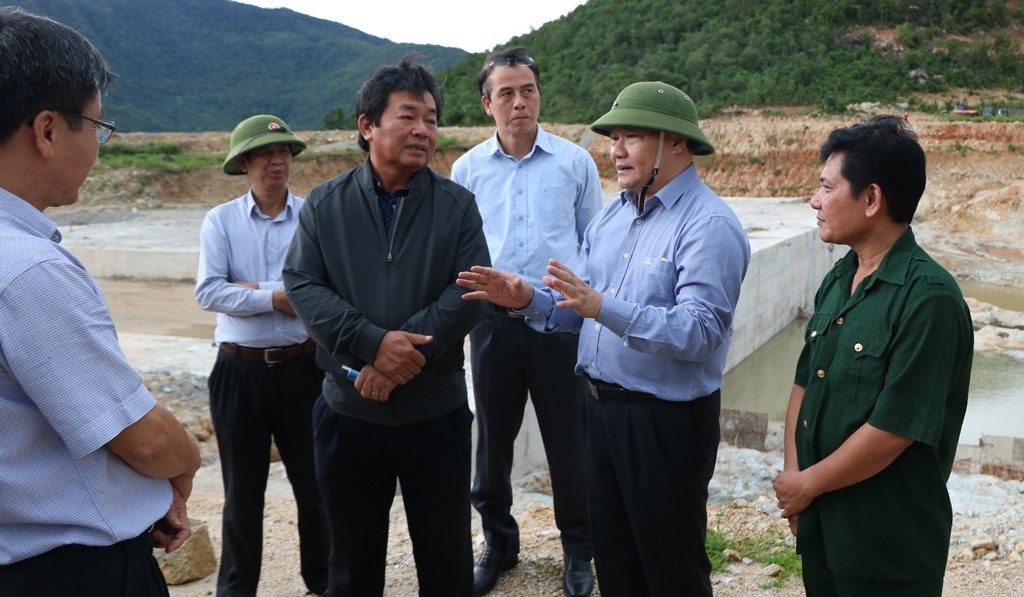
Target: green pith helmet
<point x="259" y="131"/>
<point x="657" y="106"/>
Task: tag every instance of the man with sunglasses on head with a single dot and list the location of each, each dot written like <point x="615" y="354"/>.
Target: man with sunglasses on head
<point x="93" y="472"/>
<point x="536" y="192"/>
<point x="371" y="273"/>
<point x="653" y="301"/>
<point x="265" y="379"/>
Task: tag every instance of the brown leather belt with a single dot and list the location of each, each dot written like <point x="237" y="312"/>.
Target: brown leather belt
<point x="270" y="356"/>
<point x="603" y="390"/>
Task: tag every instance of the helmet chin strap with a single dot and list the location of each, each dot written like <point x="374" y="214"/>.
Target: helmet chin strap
<point x="642" y="197"/>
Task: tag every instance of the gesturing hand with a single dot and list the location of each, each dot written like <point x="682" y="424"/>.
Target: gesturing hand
<point x="496" y="286"/>
<point x="579" y="296"/>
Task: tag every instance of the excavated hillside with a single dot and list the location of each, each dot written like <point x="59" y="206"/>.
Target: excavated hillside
<point x="970" y="216"/>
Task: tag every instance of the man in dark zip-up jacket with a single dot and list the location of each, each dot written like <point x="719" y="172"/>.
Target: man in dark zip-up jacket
<point x="371" y="272"/>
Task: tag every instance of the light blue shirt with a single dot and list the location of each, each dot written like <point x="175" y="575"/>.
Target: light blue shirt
<point x="670" y="281"/>
<point x="533" y="209"/>
<point x="65" y="391"/>
<point x="238" y="242"/>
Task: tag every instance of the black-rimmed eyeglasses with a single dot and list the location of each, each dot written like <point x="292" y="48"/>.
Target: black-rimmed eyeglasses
<point x="104" y="128"/>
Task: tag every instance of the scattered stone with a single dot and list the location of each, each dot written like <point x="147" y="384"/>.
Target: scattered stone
<point x="773" y="570"/>
<point x="732" y="555"/>
<point x="192" y="561"/>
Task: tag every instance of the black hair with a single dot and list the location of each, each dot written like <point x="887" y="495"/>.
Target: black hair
<point x="883" y="150"/>
<point x="517" y="55"/>
<point x="45" y="64"/>
<point x="404" y="75"/>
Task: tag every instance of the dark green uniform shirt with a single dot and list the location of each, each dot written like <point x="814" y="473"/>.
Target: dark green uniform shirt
<point x="896" y="354"/>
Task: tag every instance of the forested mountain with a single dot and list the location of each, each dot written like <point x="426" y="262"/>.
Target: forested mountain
<point x="191" y="65"/>
<point x="194" y="65"/>
<point x="824" y="54"/>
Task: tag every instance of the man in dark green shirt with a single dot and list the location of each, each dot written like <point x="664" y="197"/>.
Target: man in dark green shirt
<point x="881" y="385"/>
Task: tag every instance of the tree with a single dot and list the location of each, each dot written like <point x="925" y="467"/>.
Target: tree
<point x="335" y="119"/>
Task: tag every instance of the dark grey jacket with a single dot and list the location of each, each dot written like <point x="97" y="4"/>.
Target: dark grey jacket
<point x="350" y="284"/>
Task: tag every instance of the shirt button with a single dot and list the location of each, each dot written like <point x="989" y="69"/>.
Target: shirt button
<point x="597" y="326"/>
<point x="840" y="321"/>
<point x="821" y="373"/>
<point x="805" y="423"/>
<point x="814" y="333"/>
<point x="625" y="255"/>
<point x="612" y="290"/>
<point x="858" y="347"/>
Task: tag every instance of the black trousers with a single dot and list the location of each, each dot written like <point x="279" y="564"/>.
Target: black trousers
<point x="648" y="468"/>
<point x="510" y="360"/>
<point x="125" y="569"/>
<point x="358" y="464"/>
<point x="250" y="402"/>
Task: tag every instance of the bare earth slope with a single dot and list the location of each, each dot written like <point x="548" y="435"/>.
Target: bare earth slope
<point x="970" y="215"/>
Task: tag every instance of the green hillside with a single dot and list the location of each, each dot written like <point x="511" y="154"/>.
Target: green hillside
<point x="195" y="65"/>
<point x="773" y="52"/>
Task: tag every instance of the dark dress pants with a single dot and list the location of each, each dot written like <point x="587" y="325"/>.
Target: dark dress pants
<point x="125" y="569"/>
<point x="648" y="468"/>
<point x="509" y="359"/>
<point x="250" y="402"/>
<point x="358" y="463"/>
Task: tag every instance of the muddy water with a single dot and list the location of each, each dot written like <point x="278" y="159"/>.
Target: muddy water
<point x="762" y="382"/>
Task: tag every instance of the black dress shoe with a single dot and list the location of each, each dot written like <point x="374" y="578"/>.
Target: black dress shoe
<point x="489" y="567"/>
<point x="579" y="577"/>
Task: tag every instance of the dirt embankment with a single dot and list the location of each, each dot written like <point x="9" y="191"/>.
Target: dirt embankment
<point x="970" y="215"/>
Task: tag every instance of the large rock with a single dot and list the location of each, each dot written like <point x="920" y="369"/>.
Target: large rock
<point x="193" y="560"/>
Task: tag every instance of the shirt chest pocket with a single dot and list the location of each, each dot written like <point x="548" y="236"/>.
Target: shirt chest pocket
<point x="860" y="363"/>
<point x="557" y="208"/>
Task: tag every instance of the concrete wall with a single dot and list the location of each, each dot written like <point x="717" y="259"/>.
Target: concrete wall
<point x="788" y="261"/>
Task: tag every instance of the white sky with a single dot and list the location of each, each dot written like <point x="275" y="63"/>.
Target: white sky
<point x="472" y="25"/>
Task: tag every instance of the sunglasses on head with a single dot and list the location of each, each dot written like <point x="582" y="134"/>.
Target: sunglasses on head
<point x="520" y="59"/>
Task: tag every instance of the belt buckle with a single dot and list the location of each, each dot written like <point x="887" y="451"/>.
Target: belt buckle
<point x="593" y="389"/>
<point x="270" y="354"/>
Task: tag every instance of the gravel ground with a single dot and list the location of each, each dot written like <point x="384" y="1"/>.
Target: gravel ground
<point x="989" y="514"/>
<point x="986" y="548"/>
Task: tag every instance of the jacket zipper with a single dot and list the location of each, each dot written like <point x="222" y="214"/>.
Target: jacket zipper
<point x="388" y="285"/>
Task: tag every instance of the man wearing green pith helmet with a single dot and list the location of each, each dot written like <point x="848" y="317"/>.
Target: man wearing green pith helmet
<point x="265" y="379"/>
<point x="653" y="301"/>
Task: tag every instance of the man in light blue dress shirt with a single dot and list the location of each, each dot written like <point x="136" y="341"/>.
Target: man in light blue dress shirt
<point x="536" y="193"/>
<point x="265" y="379"/>
<point x="653" y="301"/>
<point x="93" y="472"/>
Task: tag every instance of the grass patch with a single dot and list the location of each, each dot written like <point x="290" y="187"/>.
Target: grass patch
<point x="163" y="155"/>
<point x="771" y="546"/>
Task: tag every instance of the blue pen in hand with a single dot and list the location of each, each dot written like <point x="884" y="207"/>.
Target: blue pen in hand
<point x="350" y="373"/>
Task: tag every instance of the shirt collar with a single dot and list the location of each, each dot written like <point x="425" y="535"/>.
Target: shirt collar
<point x="894" y="265"/>
<point x="542" y="142"/>
<point x="30" y="217"/>
<point x="896" y="262"/>
<point x="668" y="195"/>
<point x="382" y="192"/>
<point x="252" y="209"/>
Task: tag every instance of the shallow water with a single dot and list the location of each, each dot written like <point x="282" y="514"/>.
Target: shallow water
<point x="762" y="382"/>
